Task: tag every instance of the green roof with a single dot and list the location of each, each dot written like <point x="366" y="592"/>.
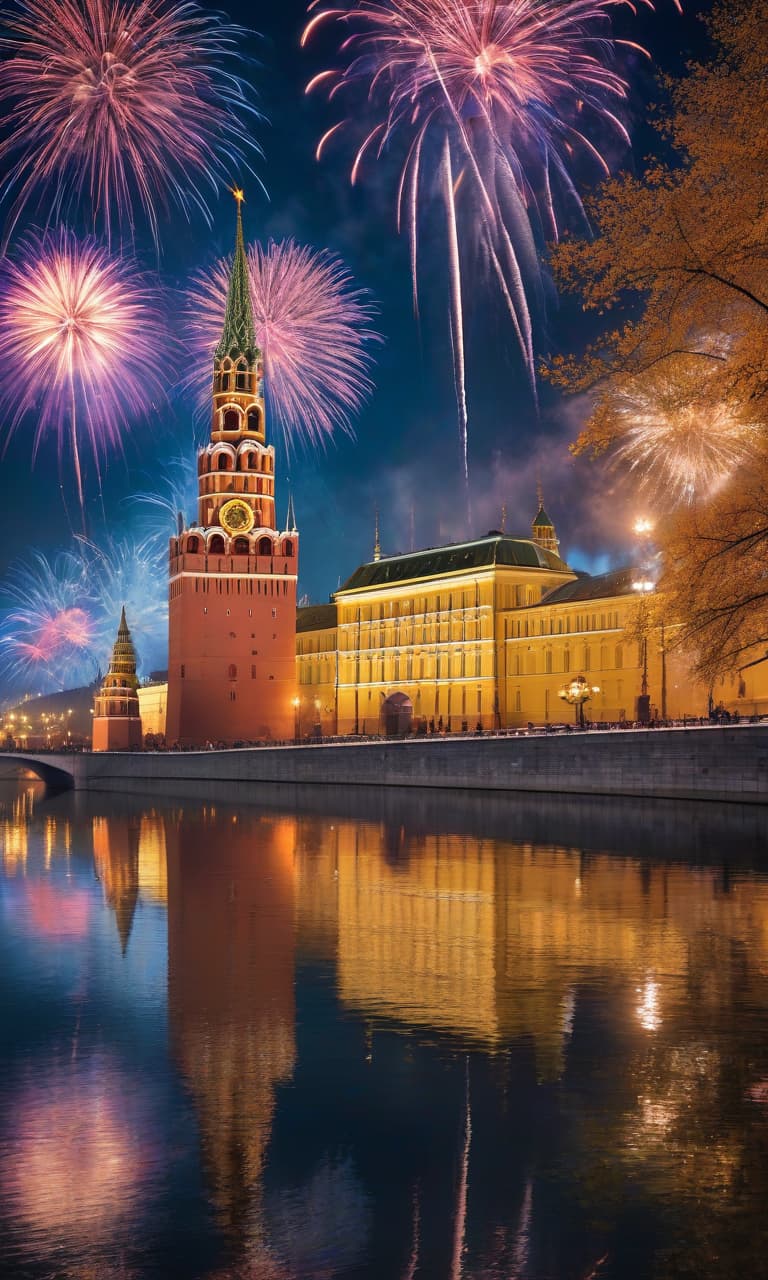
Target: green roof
<point x="495" y="549"/>
<point x="542" y="520"/>
<point x="239" y="336"/>
<point x="316" y="617"/>
<point x="617" y="583"/>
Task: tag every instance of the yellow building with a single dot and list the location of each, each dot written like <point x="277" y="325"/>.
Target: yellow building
<point x="488" y="633"/>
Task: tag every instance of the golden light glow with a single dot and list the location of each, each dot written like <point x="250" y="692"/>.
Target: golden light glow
<point x="239" y="194"/>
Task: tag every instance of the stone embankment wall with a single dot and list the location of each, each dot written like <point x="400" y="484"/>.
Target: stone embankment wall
<point x="725" y="764"/>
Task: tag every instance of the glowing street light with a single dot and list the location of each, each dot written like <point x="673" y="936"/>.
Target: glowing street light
<point x="576" y="692"/>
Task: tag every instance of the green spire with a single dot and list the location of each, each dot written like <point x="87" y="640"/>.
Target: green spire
<point x="239" y="336"/>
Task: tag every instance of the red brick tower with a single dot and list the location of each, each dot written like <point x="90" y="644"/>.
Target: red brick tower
<point x="232" y="608"/>
<point x="116" y="720"/>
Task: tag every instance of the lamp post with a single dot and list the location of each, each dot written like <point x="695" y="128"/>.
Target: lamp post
<point x="644" y="585"/>
<point x="576" y="692"/>
<point x="296" y="719"/>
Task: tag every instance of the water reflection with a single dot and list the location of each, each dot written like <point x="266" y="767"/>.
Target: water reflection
<point x="300" y="1041"/>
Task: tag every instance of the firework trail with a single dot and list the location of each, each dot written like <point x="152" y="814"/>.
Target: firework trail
<point x="679" y="441"/>
<point x="159" y="508"/>
<point x="313" y="327"/>
<point x="79" y="341"/>
<point x="125" y="104"/>
<point x="132" y="572"/>
<point x="490" y="101"/>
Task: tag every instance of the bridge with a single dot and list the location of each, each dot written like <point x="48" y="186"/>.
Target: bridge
<point x="58" y="771"/>
<point x="724" y="763"/>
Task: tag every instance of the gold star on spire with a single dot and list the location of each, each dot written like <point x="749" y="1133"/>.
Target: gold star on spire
<point x="239" y="194"/>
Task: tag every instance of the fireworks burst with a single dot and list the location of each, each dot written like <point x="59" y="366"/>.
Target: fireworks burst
<point x="124" y="103"/>
<point x="490" y="101"/>
<point x="131" y="572"/>
<point x="48" y="629"/>
<point x="79" y="338"/>
<point x="313" y="327"/>
<point x="60" y="616"/>
<point x="688" y="447"/>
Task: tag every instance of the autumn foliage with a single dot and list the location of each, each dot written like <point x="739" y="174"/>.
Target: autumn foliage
<point x="678" y="268"/>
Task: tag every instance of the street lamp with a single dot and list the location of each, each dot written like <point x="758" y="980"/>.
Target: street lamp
<point x="296" y="719"/>
<point x="576" y="692"/>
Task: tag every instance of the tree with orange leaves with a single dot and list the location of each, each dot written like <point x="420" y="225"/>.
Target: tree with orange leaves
<point x="678" y="383"/>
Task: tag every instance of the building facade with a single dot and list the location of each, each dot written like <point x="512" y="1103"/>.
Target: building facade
<point x="488" y="633"/>
<point x="232" y="597"/>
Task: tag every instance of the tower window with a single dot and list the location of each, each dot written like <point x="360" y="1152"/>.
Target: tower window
<point x="241" y="547"/>
<point x="216" y="545"/>
<point x="265" y="546"/>
<point x="232" y="671"/>
<point x="226" y="382"/>
<point x="288" y="548"/>
<point x="183" y="671"/>
<point x="231" y="420"/>
<point x="254" y="420"/>
<point x="193" y="546"/>
<point x="241" y="381"/>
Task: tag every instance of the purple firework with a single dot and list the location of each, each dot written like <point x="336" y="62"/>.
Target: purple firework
<point x="489" y="102"/>
<point x="313" y="327"/>
<point x="79" y="341"/>
<point x="127" y="103"/>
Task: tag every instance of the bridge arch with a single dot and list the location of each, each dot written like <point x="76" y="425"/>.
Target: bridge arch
<point x="56" y="775"/>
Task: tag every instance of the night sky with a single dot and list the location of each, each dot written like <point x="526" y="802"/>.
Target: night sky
<point x="406" y="453"/>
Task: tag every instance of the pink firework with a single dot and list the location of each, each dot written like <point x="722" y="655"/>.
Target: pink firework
<point x="48" y="624"/>
<point x="313" y="327"/>
<point x="79" y="342"/>
<point x="125" y="103"/>
<point x="489" y="102"/>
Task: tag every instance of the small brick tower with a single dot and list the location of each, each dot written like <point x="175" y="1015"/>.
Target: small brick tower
<point x="116" y="721"/>
<point x="232" y="597"/>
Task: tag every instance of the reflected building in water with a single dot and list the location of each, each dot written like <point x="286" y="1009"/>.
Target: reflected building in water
<point x="599" y="1011"/>
<point x="231" y="955"/>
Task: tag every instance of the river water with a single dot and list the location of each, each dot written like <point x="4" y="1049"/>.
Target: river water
<point x="369" y="1034"/>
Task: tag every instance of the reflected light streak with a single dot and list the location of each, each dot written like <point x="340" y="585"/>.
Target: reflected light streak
<point x="648" y="1012"/>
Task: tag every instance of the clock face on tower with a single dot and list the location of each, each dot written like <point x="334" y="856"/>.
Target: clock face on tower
<point x="236" y="516"/>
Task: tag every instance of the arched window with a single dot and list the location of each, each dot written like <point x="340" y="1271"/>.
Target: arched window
<point x="254" y="420"/>
<point x="231" y="420"/>
<point x="222" y="462"/>
<point x="265" y="546"/>
<point x="232" y="671"/>
<point x="216" y="545"/>
<point x="288" y="547"/>
<point x="619" y="656"/>
<point x="193" y="546"/>
<point x="226" y="381"/>
<point x="253" y="461"/>
<point x="566" y="660"/>
<point x="241" y="547"/>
